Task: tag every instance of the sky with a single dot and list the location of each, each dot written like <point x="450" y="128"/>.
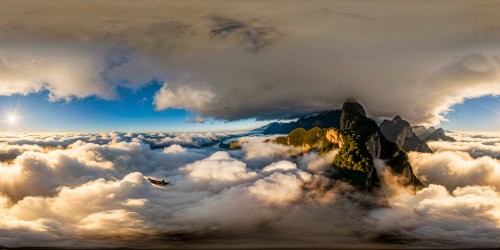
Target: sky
<point x="134" y="112"/>
<point x="79" y="66"/>
<point x="118" y="76"/>
<point x="475" y="115"/>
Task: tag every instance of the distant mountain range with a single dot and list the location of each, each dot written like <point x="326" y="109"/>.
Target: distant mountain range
<point x="396" y="130"/>
<point x="327" y="119"/>
<point x="431" y="134"/>
<point x="400" y="131"/>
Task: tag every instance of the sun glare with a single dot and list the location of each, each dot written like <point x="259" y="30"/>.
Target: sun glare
<point x="12" y="119"/>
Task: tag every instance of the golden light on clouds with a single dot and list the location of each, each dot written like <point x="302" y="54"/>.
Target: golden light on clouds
<point x="123" y="79"/>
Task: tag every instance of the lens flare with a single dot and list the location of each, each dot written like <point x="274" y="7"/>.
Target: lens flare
<point x="12" y="119"/>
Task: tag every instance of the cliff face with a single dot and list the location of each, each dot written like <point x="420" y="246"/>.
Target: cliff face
<point x="400" y="131"/>
<point x="353" y="119"/>
<point x="359" y="141"/>
<point x="352" y="116"/>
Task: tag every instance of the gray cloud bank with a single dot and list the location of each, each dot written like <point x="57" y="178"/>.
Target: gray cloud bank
<point x="240" y="59"/>
<point x="93" y="192"/>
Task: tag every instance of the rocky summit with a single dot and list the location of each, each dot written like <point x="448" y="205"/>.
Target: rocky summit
<point x="401" y="132"/>
<point x="360" y="142"/>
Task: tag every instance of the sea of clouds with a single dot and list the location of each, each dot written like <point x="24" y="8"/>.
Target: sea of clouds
<point x="91" y="190"/>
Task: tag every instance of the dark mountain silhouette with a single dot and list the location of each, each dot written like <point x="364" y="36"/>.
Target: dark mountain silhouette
<point x="400" y="131"/>
<point x="431" y="134"/>
<point x="327" y="119"/>
<point x="439" y="135"/>
<point x="422" y="132"/>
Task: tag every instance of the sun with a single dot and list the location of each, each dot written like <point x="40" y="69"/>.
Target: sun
<point x="12" y="119"/>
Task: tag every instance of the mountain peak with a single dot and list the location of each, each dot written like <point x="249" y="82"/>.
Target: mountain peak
<point x="397" y="118"/>
<point x="401" y="132"/>
<point x="439" y="135"/>
<point x="432" y="134"/>
<point x="352" y="106"/>
<point x="353" y="121"/>
<point x="352" y="115"/>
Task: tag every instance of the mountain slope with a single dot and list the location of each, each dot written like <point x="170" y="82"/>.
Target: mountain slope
<point x="439" y="135"/>
<point x="353" y="118"/>
<point x="360" y="142"/>
<point x="400" y="131"/>
<point x="422" y="132"/>
<point x="431" y="134"/>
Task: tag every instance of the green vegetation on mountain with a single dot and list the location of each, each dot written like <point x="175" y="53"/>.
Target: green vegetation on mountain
<point x="353" y="155"/>
<point x="233" y="145"/>
<point x="282" y="140"/>
<point x="359" y="141"/>
<point x="353" y="162"/>
<point x="312" y="139"/>
<point x="296" y="137"/>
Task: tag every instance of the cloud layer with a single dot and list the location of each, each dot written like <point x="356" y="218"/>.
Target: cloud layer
<point x="91" y="190"/>
<point x="474" y="144"/>
<point x="263" y="59"/>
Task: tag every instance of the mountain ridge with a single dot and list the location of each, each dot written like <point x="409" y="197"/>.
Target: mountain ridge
<point x="432" y="134"/>
<point x="360" y="142"/>
<point x="400" y="131"/>
<point x="325" y="119"/>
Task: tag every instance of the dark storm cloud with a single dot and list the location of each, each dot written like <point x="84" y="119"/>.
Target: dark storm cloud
<point x="240" y="59"/>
